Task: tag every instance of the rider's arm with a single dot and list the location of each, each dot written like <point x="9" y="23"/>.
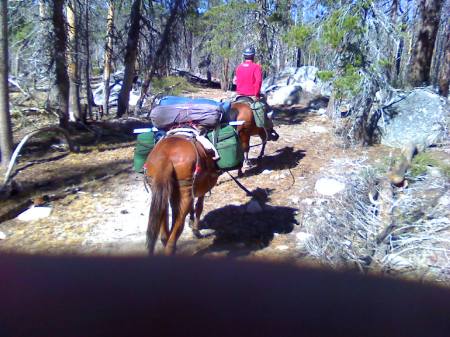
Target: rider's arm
<point x="258" y="80"/>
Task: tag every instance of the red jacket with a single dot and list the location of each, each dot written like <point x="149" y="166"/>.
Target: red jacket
<point x="248" y="78"/>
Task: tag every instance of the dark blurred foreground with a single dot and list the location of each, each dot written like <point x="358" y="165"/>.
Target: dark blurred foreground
<point x="65" y="296"/>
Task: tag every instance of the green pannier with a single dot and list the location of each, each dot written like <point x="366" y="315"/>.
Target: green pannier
<point x="226" y="141"/>
<point x="144" y="144"/>
<point x="259" y="114"/>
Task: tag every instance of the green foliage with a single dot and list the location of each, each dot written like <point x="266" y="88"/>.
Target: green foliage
<point x="298" y="35"/>
<point x="171" y="84"/>
<point x="423" y="160"/>
<point x="325" y="75"/>
<point x="348" y="84"/>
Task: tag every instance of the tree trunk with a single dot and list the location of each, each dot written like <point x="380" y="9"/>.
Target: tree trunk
<point x="59" y="48"/>
<point x="6" y="143"/>
<point x="72" y="60"/>
<point x="420" y="64"/>
<point x="440" y="67"/>
<point x="89" y="96"/>
<point x="108" y="55"/>
<point x="130" y="58"/>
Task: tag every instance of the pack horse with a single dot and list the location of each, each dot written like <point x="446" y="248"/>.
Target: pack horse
<point x="185" y="164"/>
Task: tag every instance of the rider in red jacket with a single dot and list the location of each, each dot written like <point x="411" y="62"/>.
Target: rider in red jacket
<point x="249" y="75"/>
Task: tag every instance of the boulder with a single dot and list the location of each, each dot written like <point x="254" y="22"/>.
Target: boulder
<point x="418" y="117"/>
<point x="328" y="186"/>
<point x="296" y="86"/>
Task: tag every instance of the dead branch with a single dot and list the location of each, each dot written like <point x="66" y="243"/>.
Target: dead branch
<point x="65" y="135"/>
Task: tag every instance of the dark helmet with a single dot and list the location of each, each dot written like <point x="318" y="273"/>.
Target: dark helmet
<point x="250" y="51"/>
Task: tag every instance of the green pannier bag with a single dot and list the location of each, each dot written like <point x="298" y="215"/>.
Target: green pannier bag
<point x="144" y="144"/>
<point x="259" y="114"/>
<point x="226" y="141"/>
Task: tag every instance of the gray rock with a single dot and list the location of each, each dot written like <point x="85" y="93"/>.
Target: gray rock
<point x="296" y="86"/>
<point x="419" y="117"/>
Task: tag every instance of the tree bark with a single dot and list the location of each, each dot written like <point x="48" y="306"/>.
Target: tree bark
<point x="6" y="143"/>
<point x="59" y="48"/>
<point x="130" y="58"/>
<point x="420" y="64"/>
<point x="108" y="55"/>
<point x="72" y="60"/>
<point x="89" y="96"/>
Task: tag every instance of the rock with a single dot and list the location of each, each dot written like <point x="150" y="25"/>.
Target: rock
<point x="308" y="201"/>
<point x="294" y="199"/>
<point x="417" y="117"/>
<point x="318" y="129"/>
<point x="266" y="171"/>
<point x="297" y="86"/>
<point x="303" y="238"/>
<point x="35" y="213"/>
<point x="254" y="207"/>
<point x="2" y="236"/>
<point x="282" y="247"/>
<point x="398" y="262"/>
<point x="321" y="111"/>
<point x="327" y="186"/>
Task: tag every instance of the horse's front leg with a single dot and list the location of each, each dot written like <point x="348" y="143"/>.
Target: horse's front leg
<point x="263" y="135"/>
<point x="245" y="144"/>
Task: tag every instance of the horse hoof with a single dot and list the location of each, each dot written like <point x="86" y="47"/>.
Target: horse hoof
<point x="197" y="233"/>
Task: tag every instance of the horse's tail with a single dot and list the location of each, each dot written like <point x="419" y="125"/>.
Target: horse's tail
<point x="161" y="188"/>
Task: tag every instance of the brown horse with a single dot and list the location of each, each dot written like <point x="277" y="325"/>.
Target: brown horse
<point x="178" y="170"/>
<point x="249" y="128"/>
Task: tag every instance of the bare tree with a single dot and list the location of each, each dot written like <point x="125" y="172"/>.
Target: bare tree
<point x="72" y="60"/>
<point x="422" y="54"/>
<point x="59" y="57"/>
<point x="6" y="143"/>
<point x="108" y="54"/>
<point x="130" y="58"/>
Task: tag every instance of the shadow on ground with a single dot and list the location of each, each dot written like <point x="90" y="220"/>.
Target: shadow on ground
<point x="238" y="231"/>
<point x="282" y="159"/>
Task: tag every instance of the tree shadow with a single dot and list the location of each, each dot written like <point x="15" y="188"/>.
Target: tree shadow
<point x="240" y="231"/>
<point x="283" y="158"/>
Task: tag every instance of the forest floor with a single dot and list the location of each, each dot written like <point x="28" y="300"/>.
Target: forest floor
<point x="100" y="206"/>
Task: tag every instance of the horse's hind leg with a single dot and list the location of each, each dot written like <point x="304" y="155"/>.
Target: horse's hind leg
<point x="184" y="207"/>
<point x="196" y="221"/>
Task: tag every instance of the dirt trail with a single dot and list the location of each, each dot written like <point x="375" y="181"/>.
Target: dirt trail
<point x="110" y="216"/>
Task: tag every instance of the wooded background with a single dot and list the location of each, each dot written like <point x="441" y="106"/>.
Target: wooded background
<point x="60" y="47"/>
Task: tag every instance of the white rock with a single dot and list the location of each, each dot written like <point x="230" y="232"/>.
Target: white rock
<point x="308" y="201"/>
<point x="266" y="171"/>
<point x="321" y="111"/>
<point x="2" y="236"/>
<point x="282" y="247"/>
<point x="35" y="213"/>
<point x="398" y="262"/>
<point x="327" y="186"/>
<point x="254" y="207"/>
<point x="303" y="238"/>
<point x="317" y="129"/>
<point x="294" y="199"/>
